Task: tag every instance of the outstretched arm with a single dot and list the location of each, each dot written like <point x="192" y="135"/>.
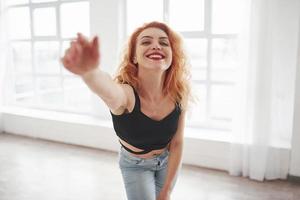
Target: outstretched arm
<point x="83" y="58"/>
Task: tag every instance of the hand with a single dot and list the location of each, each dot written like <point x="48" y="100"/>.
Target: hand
<point x="82" y="56"/>
<point x="164" y="195"/>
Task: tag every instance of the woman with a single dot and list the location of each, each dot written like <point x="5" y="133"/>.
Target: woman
<point x="147" y="99"/>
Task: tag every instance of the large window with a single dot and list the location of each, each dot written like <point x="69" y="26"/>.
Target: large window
<point x="210" y="30"/>
<point x="39" y="32"/>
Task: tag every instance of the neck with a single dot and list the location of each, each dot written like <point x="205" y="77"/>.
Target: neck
<point x="151" y="85"/>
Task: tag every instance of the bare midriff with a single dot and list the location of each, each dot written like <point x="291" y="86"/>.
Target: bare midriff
<point x="151" y="154"/>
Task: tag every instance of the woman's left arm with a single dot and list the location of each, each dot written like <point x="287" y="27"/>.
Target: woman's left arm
<point x="176" y="147"/>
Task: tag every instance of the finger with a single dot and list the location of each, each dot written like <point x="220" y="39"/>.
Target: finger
<point x="95" y="47"/>
<point x="95" y="42"/>
<point x="69" y="65"/>
<point x="67" y="51"/>
<point x="82" y="39"/>
<point x="73" y="52"/>
<point x="78" y="49"/>
<point x="66" y="62"/>
<point x="72" y="43"/>
<point x="78" y="52"/>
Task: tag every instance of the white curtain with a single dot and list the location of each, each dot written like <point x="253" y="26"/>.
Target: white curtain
<point x="3" y="38"/>
<point x="3" y="55"/>
<point x="263" y="123"/>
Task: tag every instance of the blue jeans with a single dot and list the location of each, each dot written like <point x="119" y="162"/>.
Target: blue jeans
<point x="143" y="178"/>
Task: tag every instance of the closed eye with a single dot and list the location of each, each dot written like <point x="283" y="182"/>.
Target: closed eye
<point x="164" y="43"/>
<point x="146" y="43"/>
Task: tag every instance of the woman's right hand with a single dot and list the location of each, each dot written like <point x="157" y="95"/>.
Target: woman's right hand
<point x="82" y="56"/>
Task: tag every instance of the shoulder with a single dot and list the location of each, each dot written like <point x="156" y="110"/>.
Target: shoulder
<point x="128" y="90"/>
<point x="130" y="100"/>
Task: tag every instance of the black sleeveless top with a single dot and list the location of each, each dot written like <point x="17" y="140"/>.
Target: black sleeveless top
<point x="140" y="131"/>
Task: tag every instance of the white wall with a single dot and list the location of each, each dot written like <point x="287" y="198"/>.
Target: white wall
<point x="105" y="16"/>
<point x="295" y="154"/>
<point x="76" y="129"/>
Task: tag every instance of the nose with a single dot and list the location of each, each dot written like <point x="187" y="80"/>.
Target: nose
<point x="156" y="46"/>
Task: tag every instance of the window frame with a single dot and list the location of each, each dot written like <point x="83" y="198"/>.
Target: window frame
<point x="211" y="123"/>
<point x="34" y="74"/>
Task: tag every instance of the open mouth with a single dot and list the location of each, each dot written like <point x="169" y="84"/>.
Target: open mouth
<point x="155" y="56"/>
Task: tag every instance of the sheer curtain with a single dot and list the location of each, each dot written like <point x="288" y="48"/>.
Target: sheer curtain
<point x="263" y="120"/>
<point x="3" y="50"/>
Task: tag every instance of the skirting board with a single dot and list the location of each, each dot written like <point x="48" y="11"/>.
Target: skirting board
<point x="294" y="179"/>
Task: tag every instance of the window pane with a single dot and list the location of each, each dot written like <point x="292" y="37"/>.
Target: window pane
<point x="199" y="109"/>
<point x="143" y="11"/>
<point x="187" y="15"/>
<point x="224" y="53"/>
<point x="81" y="102"/>
<point x="226" y="16"/>
<point x="50" y="91"/>
<point x="27" y="100"/>
<point x="46" y="57"/>
<point x="65" y="45"/>
<point x="24" y="85"/>
<point x="223" y="75"/>
<point x="75" y="18"/>
<point x="21" y="55"/>
<point x="16" y="2"/>
<point x="77" y="94"/>
<point x="197" y="50"/>
<point x="19" y="23"/>
<point x="48" y="83"/>
<point x="73" y="83"/>
<point x="44" y="21"/>
<point x="199" y="74"/>
<point x="221" y="101"/>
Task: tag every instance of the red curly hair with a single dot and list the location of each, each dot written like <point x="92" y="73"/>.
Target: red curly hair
<point x="176" y="83"/>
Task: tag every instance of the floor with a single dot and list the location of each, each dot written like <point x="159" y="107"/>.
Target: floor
<point x="32" y="169"/>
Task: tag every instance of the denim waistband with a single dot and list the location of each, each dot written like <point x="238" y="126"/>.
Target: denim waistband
<point x="124" y="152"/>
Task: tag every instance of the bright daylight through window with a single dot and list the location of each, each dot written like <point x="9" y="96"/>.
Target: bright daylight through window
<point x="41" y="30"/>
<point x="210" y="30"/>
<point x="39" y="33"/>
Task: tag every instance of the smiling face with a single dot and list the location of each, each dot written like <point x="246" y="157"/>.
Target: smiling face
<point x="153" y="50"/>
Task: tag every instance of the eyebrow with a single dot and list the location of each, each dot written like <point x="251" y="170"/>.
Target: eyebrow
<point x="152" y="37"/>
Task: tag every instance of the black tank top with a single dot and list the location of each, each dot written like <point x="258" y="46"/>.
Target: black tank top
<point x="140" y="131"/>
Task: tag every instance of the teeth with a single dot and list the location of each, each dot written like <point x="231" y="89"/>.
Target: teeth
<point x="155" y="56"/>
